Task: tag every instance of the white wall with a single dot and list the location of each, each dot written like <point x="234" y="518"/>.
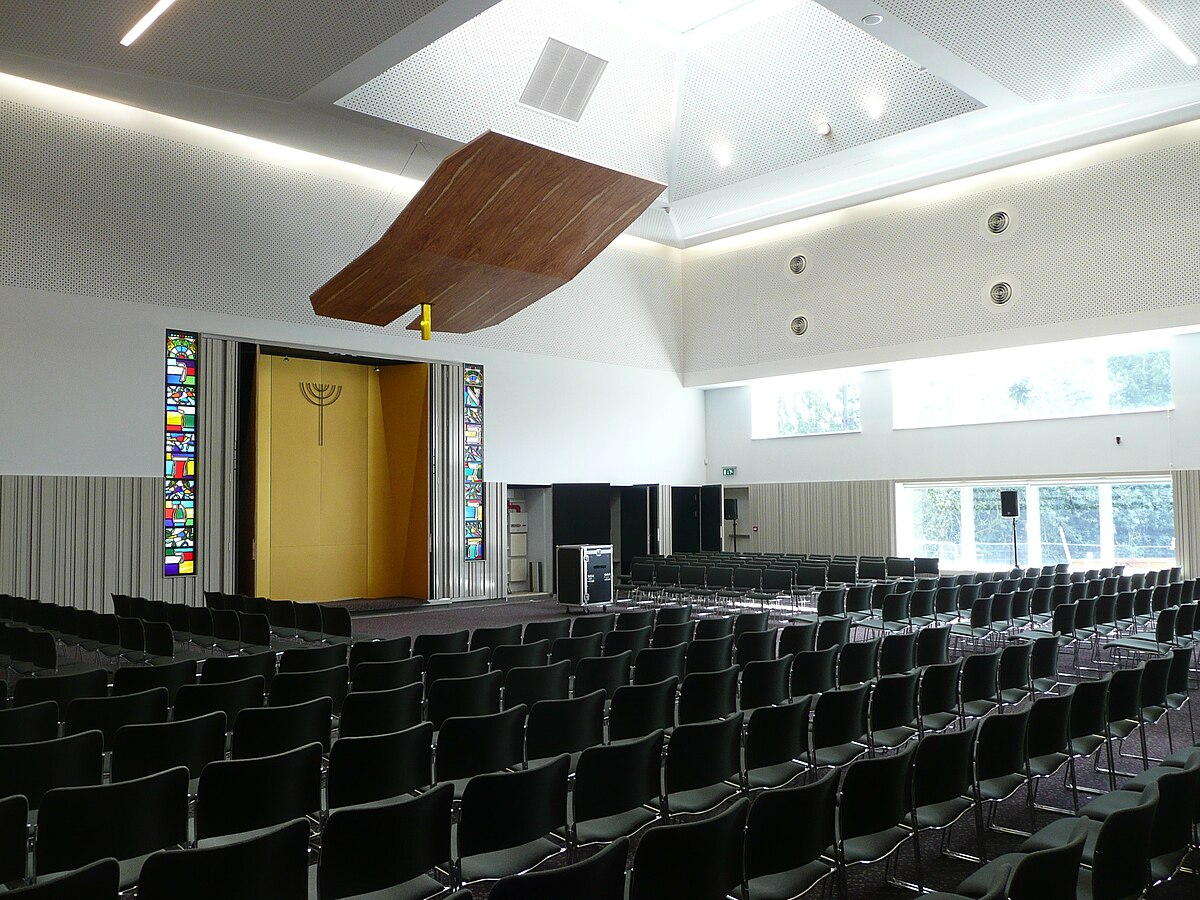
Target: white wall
<point x="1150" y="441"/>
<point x="81" y="394"/>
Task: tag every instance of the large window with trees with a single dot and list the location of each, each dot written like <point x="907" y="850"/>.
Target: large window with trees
<point x="805" y="404"/>
<point x="1076" y="379"/>
<point x="1085" y="524"/>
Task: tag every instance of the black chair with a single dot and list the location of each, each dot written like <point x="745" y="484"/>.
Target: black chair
<point x="703" y="766"/>
<point x="656" y="663"/>
<point x="874" y="799"/>
<point x="979" y="687"/>
<point x="606" y="673"/>
<point x="290" y="688"/>
<point x="1088" y="728"/>
<point x="598" y="624"/>
<point x="627" y="641"/>
<point x="858" y="662"/>
<point x="390" y="650"/>
<point x="634" y="619"/>
<point x="570" y="726"/>
<point x="336" y="624"/>
<point x="387" y="675"/>
<point x="1014" y="677"/>
<point x="495" y="637"/>
<point x="799" y="638"/>
<point x="140" y="750"/>
<point x="549" y="631"/>
<point x="270" y="865"/>
<point x="714" y="627"/>
<point x="476" y="745"/>
<point x="477" y="695"/>
<point x="640" y="709"/>
<point x="172" y="676"/>
<point x="379" y="767"/>
<point x="788" y="832"/>
<point x="599" y="877"/>
<point x="100" y="880"/>
<point x="675" y="633"/>
<point x="833" y="633"/>
<point x="456" y="665"/>
<point x="276" y="729"/>
<point x="224" y="669"/>
<point x="839" y="726"/>
<point x="898" y="652"/>
<point x="62" y="689"/>
<point x="310" y="659"/>
<point x="1001" y="763"/>
<point x="14" y="814"/>
<point x="380" y="712"/>
<point x="572" y="649"/>
<point x="520" y="656"/>
<point x="618" y="789"/>
<point x="672" y="615"/>
<point x="75" y="824"/>
<point x="228" y="697"/>
<point x="108" y="714"/>
<point x="708" y="695"/>
<point x="765" y="683"/>
<point x="360" y="854"/>
<point x="507" y="818"/>
<point x="35" y="768"/>
<point x="776" y="744"/>
<point x="814" y="671"/>
<point x="892" y="719"/>
<point x="238" y="795"/>
<point x="693" y="861"/>
<point x="29" y="724"/>
<point x="425" y="645"/>
<point x="707" y="655"/>
<point x="1048" y="744"/>
<point x="754" y="646"/>
<point x="943" y="784"/>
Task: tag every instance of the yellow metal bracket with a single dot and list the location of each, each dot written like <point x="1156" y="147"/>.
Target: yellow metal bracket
<point x="426" y="321"/>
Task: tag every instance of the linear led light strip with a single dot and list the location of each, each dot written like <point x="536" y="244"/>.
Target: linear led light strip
<point x="1162" y="31"/>
<point x="146" y="21"/>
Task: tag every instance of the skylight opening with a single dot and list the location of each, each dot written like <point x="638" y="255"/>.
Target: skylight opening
<point x="682" y="15"/>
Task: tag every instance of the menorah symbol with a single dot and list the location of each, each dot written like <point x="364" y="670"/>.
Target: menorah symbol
<point x="320" y="396"/>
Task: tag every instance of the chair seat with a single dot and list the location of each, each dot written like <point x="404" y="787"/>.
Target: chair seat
<point x="1013" y="695"/>
<point x="1122" y="728"/>
<point x="775" y="776"/>
<point x="838" y="754"/>
<point x="941" y="815"/>
<point x="979" y="882"/>
<point x="609" y="828"/>
<point x="1085" y="745"/>
<point x="938" y="721"/>
<point x="1059" y="832"/>
<point x="1001" y="787"/>
<point x="701" y="799"/>
<point x="510" y="861"/>
<point x="1144" y="779"/>
<point x="872" y="847"/>
<point x="891" y="738"/>
<point x="1047" y="764"/>
<point x="785" y="885"/>
<point x="1044" y="685"/>
<point x="1180" y="758"/>
<point x="1106" y="804"/>
<point x="977" y="709"/>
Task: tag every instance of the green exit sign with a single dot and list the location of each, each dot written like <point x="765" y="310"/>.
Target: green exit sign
<point x="729" y="471"/>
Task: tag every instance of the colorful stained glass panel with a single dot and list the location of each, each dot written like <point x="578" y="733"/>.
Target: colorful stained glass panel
<point x="179" y="462"/>
<point x="473" y="507"/>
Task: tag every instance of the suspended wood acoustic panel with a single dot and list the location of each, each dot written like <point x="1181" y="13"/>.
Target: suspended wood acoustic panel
<point x="499" y="224"/>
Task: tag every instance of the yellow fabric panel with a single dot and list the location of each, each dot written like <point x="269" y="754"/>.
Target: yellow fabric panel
<point x="384" y="522"/>
<point x="262" y="518"/>
<point x="332" y="572"/>
<point x="404" y="394"/>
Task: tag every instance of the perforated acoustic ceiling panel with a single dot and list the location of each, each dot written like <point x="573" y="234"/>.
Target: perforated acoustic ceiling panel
<point x="761" y="91"/>
<point x="1112" y="239"/>
<point x="92" y="209"/>
<point x="1052" y="51"/>
<point x="471" y="80"/>
<point x="272" y="48"/>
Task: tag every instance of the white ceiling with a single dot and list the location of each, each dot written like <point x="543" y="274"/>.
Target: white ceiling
<point x="966" y="85"/>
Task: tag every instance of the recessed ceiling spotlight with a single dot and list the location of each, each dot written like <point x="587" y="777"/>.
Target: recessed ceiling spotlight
<point x="1162" y="31"/>
<point x="872" y="19"/>
<point x="872" y="102"/>
<point x="723" y="153"/>
<point x="146" y="21"/>
<point x="824" y="129"/>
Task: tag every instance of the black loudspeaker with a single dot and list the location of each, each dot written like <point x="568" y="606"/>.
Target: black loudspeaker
<point x="1009" y="508"/>
<point x="730" y="509"/>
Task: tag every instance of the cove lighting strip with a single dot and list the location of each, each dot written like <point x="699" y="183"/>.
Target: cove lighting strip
<point x="146" y="21"/>
<point x="1162" y="31"/>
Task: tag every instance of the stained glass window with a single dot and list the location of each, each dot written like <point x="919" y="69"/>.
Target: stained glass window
<point x="179" y="469"/>
<point x="473" y="459"/>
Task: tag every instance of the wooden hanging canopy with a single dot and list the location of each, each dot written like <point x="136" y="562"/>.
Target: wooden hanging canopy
<point x="499" y="224"/>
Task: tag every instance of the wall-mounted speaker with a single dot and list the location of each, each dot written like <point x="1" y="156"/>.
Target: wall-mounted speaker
<point x="731" y="509"/>
<point x="1009" y="507"/>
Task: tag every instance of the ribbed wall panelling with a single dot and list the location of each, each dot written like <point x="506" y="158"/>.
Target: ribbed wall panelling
<point x="452" y="576"/>
<point x="1185" y="487"/>
<point x="664" y="520"/>
<point x="78" y="539"/>
<point x="856" y="517"/>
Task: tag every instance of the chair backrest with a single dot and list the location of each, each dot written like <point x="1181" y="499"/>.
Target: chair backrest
<point x="858" y="661"/>
<point x="1000" y="748"/>
<point x="1049" y="725"/>
<point x="633" y="619"/>
<point x="564" y="726"/>
<point x="359" y="851"/>
<point x="35" y="768"/>
<point x="229" y="697"/>
<point x="290" y="688"/>
<point x="426" y="645"/>
<point x="310" y="659"/>
<point x="766" y="682"/>
<point x="572" y="649"/>
<point x="795" y="639"/>
<point x="270" y="730"/>
<point x="938" y="688"/>
<point x="541" y="630"/>
<point x="62" y="689"/>
<point x="1050" y="874"/>
<point x="384" y="675"/>
<point x="336" y="622"/>
<point x="1121" y="856"/>
<point x="140" y="750"/>
<point x="640" y="709"/>
<point x="75" y="824"/>
<point x="600" y="623"/>
<point x="456" y="665"/>
<point x="100" y="880"/>
<point x="1125" y="693"/>
<point x="980" y="677"/>
<point x="615" y="778"/>
<point x="380" y="712"/>
<point x="270" y="865"/>
<point x="708" y="695"/>
<point x="29" y="724"/>
<point x="237" y="795"/>
<point x="172" y="676"/>
<point x="475" y="695"/>
<point x="933" y="646"/>
<point x="605" y="673"/>
<point x="224" y="669"/>
<point x="501" y="810"/>
<point x="14" y="837"/>
<point x="814" y="671"/>
<point x="108" y="714"/>
<point x="756" y="646"/>
<point x="788" y="828"/>
<point x="654" y="664"/>
<point x="708" y="655"/>
<point x="673" y="615"/>
<point x="471" y="745"/>
<point x="512" y="656"/>
<point x="874" y="795"/>
<point x="362" y="651"/>
<point x="942" y="766"/>
<point x="699" y="860"/>
<point x="840" y="716"/>
<point x="893" y="701"/>
<point x="832" y="632"/>
<point x="376" y="767"/>
<point x="670" y="634"/>
<point x="778" y="734"/>
<point x="599" y="877"/>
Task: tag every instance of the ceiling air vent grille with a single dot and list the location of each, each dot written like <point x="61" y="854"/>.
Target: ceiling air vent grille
<point x="563" y="80"/>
